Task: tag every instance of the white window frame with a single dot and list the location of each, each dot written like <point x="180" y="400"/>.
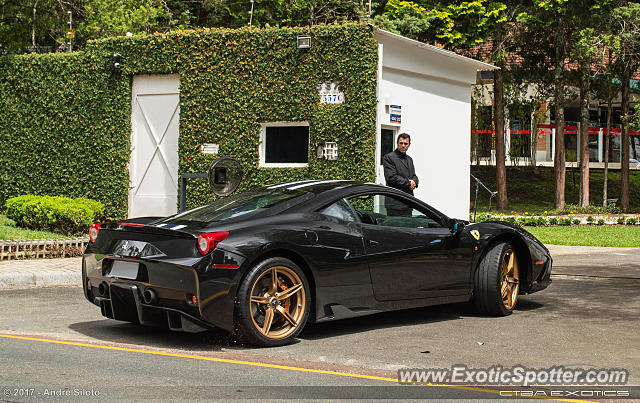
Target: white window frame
<point x="263" y="145"/>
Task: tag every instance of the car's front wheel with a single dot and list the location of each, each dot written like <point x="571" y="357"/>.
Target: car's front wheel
<point x="497" y="281"/>
<point x="272" y="304"/>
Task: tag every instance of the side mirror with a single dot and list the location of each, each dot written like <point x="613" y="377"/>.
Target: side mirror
<point x="455" y="226"/>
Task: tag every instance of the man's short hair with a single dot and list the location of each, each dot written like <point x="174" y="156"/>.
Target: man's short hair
<point x="404" y="136"/>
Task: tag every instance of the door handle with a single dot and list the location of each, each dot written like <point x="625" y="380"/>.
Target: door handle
<point x="373" y="243"/>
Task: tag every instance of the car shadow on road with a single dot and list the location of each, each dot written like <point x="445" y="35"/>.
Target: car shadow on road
<point x="527" y="305"/>
<point x="405" y="317"/>
<point x="113" y="331"/>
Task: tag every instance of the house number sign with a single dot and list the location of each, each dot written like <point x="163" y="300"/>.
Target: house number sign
<point x="330" y="93"/>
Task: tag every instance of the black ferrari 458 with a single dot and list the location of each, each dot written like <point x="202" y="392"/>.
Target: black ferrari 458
<point x="262" y="264"/>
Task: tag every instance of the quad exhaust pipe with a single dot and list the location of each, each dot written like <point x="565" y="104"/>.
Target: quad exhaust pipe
<point x="103" y="290"/>
<point x="149" y="296"/>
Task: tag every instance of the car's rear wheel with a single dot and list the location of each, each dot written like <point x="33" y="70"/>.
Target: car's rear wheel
<point x="273" y="303"/>
<point x="497" y="281"/>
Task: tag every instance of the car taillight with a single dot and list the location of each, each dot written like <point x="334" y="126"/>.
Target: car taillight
<point x="208" y="241"/>
<point x="93" y="231"/>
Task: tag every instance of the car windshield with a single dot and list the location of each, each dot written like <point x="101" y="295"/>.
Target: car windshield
<point x="234" y="206"/>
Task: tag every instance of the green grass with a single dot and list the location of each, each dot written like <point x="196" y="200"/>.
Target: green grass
<point x="9" y="231"/>
<point x="532" y="192"/>
<point x="587" y="235"/>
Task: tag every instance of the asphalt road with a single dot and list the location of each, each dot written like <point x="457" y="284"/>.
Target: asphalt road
<point x="588" y="317"/>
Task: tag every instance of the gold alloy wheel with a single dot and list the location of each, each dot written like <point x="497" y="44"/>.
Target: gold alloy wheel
<point x="277" y="302"/>
<point x="509" y="279"/>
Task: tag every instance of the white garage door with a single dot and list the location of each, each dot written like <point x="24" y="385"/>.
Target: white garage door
<point x="153" y="169"/>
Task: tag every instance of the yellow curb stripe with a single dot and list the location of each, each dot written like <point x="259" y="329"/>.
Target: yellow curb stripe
<point x="263" y="365"/>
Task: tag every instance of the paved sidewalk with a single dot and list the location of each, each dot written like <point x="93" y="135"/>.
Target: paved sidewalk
<point x="36" y="273"/>
<point x="571" y="260"/>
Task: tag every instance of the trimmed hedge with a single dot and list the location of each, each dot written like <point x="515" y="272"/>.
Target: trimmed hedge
<point x="54" y="213"/>
<point x="65" y="120"/>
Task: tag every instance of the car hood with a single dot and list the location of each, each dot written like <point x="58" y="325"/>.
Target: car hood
<point x="491" y="228"/>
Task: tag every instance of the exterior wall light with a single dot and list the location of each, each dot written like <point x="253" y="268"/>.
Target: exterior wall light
<point x="327" y="151"/>
<point x="331" y="151"/>
<point x="303" y="42"/>
<point x="117" y="62"/>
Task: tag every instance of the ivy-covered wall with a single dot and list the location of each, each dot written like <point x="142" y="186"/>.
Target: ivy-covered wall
<point x="65" y="120"/>
<point x="64" y="129"/>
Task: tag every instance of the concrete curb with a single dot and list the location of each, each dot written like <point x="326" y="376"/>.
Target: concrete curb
<point x="40" y="273"/>
<point x="18" y="281"/>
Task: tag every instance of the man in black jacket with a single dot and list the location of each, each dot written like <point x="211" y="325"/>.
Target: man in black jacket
<point x="399" y="172"/>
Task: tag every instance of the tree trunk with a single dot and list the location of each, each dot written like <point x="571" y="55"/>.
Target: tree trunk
<point x="498" y="116"/>
<point x="33" y="24"/>
<point x="624" y="159"/>
<point x="584" y="135"/>
<point x="559" y="169"/>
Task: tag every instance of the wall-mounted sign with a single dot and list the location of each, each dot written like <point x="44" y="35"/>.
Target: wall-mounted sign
<point x="330" y="93"/>
<point x="395" y="114"/>
<point x="209" y="148"/>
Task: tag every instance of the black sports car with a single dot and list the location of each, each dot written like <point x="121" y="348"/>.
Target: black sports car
<point x="262" y="264"/>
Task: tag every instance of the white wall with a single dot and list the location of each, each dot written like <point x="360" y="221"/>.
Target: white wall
<point x="433" y="87"/>
<point x="437" y="115"/>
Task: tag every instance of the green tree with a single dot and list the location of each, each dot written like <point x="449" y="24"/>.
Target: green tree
<point x="547" y="24"/>
<point x="626" y="45"/>
<point x="577" y="30"/>
<point x="606" y="88"/>
<point x="461" y="25"/>
<point x="31" y="23"/>
<point x="592" y="17"/>
<point x="105" y="18"/>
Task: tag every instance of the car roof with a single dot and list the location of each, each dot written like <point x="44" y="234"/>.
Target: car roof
<point x="327" y="191"/>
<point x="318" y="186"/>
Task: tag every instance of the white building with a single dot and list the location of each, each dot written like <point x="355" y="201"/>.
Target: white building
<point x="425" y="91"/>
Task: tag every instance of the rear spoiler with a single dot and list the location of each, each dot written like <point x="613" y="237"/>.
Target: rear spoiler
<point x="157" y="229"/>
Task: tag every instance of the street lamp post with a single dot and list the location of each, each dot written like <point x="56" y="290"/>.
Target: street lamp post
<point x="70" y="30"/>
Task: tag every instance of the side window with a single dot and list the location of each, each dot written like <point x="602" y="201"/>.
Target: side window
<point x="341" y="210"/>
<point x="389" y="211"/>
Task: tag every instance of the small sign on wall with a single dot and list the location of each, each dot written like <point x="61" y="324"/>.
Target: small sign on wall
<point x="395" y="114"/>
<point x="209" y="148"/>
<point x="330" y="93"/>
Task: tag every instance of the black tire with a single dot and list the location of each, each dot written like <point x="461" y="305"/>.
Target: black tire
<point x="256" y="302"/>
<point x="489" y="280"/>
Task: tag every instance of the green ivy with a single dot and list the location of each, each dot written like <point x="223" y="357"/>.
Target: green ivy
<point x="65" y="119"/>
<point x="63" y="129"/>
